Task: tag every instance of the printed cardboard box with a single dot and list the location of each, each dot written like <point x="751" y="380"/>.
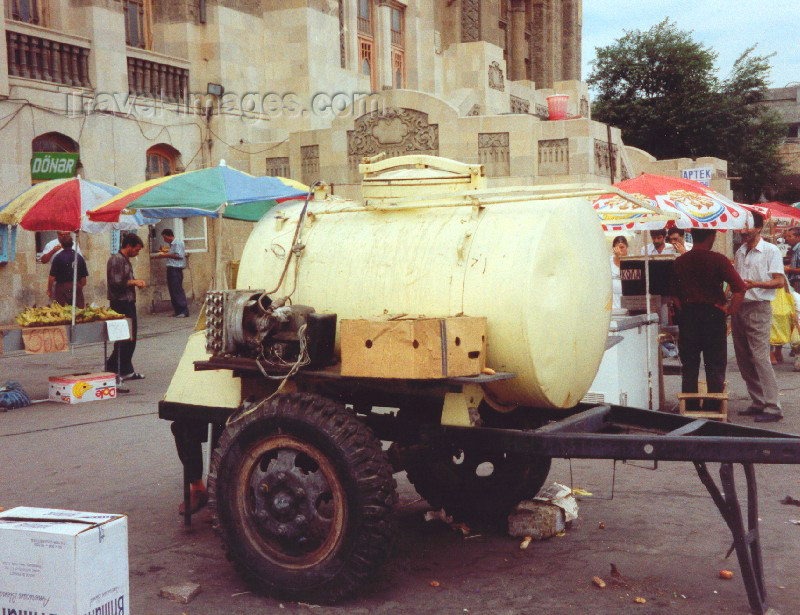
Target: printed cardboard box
<point x="63" y="562"/>
<point x="79" y="388"/>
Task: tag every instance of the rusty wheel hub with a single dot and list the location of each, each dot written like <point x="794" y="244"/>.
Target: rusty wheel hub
<point x="293" y="501"/>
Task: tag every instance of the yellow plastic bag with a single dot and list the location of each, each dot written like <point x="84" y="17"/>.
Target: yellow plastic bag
<point x="783" y="318"/>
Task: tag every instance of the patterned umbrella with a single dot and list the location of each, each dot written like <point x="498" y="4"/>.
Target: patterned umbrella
<point x="61" y="205"/>
<point x="198" y="193"/>
<point x="783" y="214"/>
<point x="697" y="205"/>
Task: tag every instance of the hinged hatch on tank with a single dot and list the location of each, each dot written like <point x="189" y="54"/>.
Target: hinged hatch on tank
<point x="409" y="176"/>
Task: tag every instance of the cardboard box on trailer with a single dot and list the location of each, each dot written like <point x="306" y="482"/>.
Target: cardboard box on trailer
<point x="415" y="348"/>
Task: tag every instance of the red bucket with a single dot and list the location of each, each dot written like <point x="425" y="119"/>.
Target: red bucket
<point x="557" y="106"/>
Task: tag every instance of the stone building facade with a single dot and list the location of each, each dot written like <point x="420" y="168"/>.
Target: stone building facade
<point x="786" y="103"/>
<point x="298" y="88"/>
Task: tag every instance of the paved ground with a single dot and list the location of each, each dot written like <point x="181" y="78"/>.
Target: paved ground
<point x="662" y="531"/>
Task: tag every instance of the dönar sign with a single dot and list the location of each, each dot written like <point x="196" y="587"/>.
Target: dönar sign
<point x="53" y="165"/>
<point x="702" y="175"/>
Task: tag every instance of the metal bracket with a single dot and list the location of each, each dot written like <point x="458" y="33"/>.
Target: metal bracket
<point x="461" y="409"/>
<point x="746" y="543"/>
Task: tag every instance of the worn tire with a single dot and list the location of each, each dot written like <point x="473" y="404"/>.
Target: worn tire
<point x="457" y="480"/>
<point x="303" y="498"/>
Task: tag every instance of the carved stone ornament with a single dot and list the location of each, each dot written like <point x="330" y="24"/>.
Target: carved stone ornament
<point x="584" y="107"/>
<point x="309" y="161"/>
<point x="496" y="81"/>
<point x="519" y="105"/>
<point x="396" y="131"/>
<point x="603" y="158"/>
<point x="492" y="139"/>
<point x="554" y="157"/>
<point x="278" y="166"/>
<point x="494" y="153"/>
<point x="470" y="21"/>
<point x="437" y="42"/>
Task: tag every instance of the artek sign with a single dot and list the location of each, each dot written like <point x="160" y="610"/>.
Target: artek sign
<point x="53" y="165"/>
<point x="702" y="175"/>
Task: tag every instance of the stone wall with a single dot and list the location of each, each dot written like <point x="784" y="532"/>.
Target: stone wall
<point x="516" y="148"/>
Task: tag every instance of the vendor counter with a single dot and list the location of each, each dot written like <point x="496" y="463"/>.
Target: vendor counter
<point x="623" y="374"/>
<point x="58" y="338"/>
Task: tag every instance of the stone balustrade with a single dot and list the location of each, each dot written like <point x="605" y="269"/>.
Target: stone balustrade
<point x="157" y="80"/>
<point x="38" y="57"/>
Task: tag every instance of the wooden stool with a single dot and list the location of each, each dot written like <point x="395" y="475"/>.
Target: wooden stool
<point x="702" y="395"/>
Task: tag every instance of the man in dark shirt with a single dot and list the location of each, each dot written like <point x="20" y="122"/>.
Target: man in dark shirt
<point x="122" y="297"/>
<point x="62" y="274"/>
<point x="697" y="278"/>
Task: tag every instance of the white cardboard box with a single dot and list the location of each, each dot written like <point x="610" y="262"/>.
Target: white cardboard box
<point x="79" y="388"/>
<point x="63" y="562"/>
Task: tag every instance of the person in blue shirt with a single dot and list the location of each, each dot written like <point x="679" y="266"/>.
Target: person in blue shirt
<point x="175" y="253"/>
<point x="792" y="270"/>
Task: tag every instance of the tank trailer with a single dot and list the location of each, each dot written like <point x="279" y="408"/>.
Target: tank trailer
<point x="301" y="489"/>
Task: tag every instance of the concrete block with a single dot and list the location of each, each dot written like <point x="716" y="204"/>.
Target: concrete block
<point x="536" y="519"/>
<point x="183" y="593"/>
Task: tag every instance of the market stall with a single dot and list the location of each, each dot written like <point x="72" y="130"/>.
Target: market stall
<point x="682" y="203"/>
<point x="61" y="205"/>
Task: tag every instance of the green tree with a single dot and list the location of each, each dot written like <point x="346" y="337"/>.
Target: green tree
<point x="662" y="89"/>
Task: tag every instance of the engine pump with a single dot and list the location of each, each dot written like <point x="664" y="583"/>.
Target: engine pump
<point x="281" y="337"/>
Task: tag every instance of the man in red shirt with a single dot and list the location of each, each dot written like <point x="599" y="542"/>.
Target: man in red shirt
<point x="697" y="278"/>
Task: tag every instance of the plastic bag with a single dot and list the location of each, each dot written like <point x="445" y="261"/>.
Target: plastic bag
<point x="783" y="317"/>
<point x="796" y="297"/>
<point x="794" y="338"/>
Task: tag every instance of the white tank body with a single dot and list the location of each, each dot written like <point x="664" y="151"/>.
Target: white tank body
<point x="538" y="270"/>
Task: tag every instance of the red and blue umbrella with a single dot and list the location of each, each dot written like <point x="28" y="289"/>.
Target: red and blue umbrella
<point x="204" y="192"/>
<point x="61" y="205"/>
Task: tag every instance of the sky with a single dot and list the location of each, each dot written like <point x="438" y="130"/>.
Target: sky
<point x="726" y="26"/>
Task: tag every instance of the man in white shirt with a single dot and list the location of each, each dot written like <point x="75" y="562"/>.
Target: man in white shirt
<point x="760" y="265"/>
<point x="175" y="253"/>
<point x="53" y="247"/>
<point x="659" y="244"/>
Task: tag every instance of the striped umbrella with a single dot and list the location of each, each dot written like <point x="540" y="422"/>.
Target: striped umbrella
<point x="696" y="205"/>
<point x="204" y="192"/>
<point x="61" y="205"/>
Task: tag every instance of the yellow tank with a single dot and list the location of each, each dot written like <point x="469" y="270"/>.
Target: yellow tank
<point x="534" y="261"/>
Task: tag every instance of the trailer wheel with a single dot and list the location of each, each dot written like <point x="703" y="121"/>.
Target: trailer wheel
<point x="478" y="486"/>
<point x="303" y="498"/>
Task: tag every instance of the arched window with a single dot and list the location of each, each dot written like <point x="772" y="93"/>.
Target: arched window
<point x="162" y="160"/>
<point x="54" y="142"/>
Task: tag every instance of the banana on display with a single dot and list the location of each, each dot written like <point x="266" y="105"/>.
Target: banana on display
<point x="57" y="314"/>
